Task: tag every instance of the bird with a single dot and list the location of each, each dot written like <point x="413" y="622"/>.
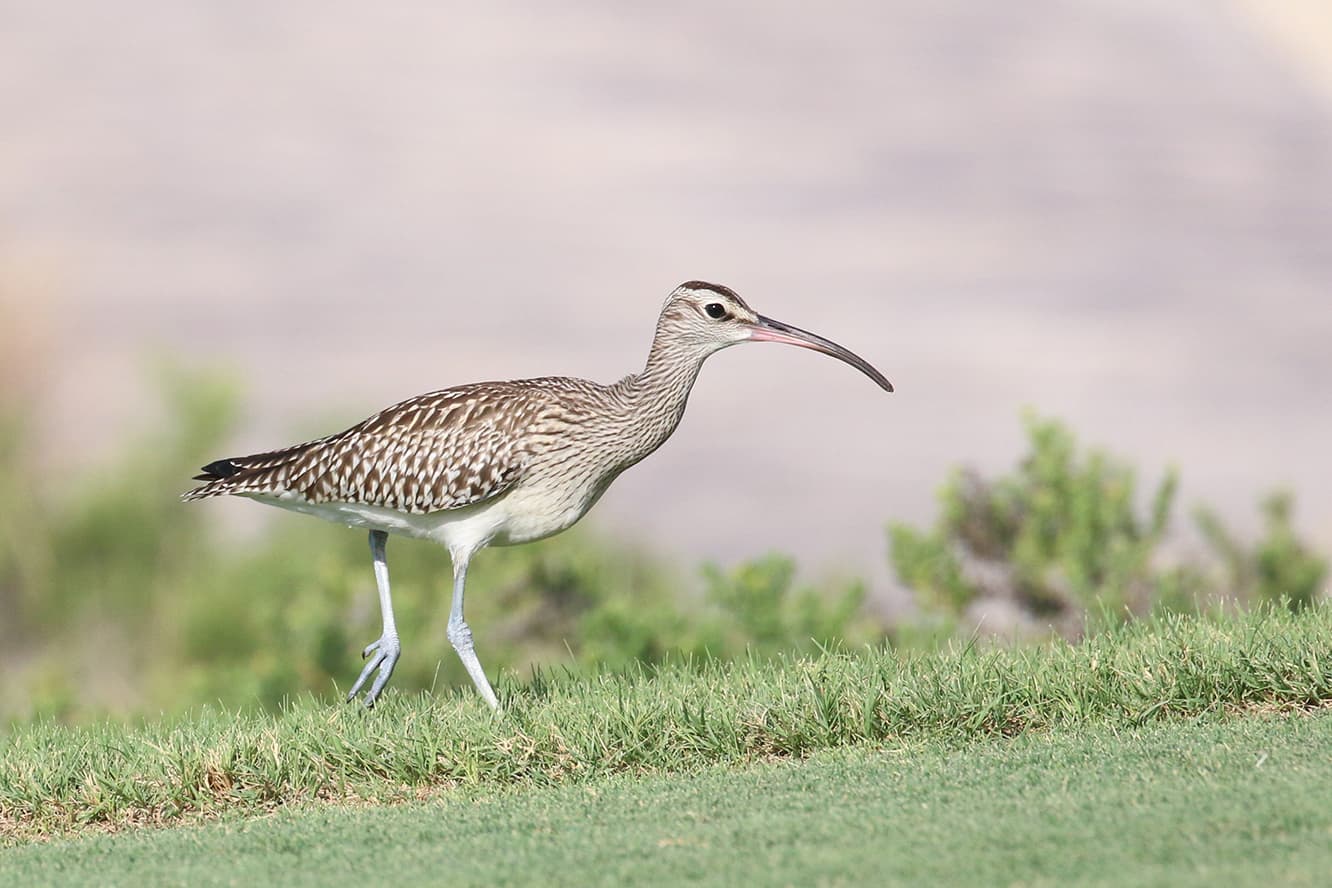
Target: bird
<point x="499" y="463"/>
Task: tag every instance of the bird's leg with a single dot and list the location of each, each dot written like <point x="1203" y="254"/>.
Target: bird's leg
<point x="387" y="649"/>
<point x="460" y="634"/>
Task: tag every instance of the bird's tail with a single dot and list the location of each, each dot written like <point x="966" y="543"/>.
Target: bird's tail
<point x="255" y="473"/>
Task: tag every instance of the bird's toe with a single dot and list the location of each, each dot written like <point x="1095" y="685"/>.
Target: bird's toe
<point x="381" y="658"/>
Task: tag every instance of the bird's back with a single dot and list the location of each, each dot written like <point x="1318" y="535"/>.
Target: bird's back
<point x="433" y="452"/>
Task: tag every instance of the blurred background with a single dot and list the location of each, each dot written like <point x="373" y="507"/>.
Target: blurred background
<point x="227" y="227"/>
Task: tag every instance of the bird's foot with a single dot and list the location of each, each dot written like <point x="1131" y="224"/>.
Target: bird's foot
<point x="381" y="656"/>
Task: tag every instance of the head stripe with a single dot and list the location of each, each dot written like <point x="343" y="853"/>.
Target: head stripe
<point x="705" y="287"/>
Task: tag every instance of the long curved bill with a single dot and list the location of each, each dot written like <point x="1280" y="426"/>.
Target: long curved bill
<point x="768" y="330"/>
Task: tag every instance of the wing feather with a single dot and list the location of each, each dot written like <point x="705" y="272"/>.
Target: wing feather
<point x="437" y="451"/>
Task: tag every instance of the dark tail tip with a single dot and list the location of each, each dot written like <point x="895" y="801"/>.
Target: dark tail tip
<point x="215" y="471"/>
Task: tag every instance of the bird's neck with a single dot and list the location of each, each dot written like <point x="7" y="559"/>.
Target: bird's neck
<point x="655" y="398"/>
<point x="672" y="366"/>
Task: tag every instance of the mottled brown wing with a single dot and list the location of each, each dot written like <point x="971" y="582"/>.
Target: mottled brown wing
<point x="437" y="451"/>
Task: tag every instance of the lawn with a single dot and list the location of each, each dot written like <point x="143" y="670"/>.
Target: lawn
<point x="1156" y="751"/>
<point x="1218" y="800"/>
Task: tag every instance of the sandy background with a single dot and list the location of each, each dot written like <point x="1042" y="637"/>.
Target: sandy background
<point x="1116" y="211"/>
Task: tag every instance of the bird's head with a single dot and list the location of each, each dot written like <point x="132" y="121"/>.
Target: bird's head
<point x="710" y="317"/>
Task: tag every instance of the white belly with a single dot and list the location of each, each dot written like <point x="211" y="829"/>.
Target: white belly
<point x="519" y="516"/>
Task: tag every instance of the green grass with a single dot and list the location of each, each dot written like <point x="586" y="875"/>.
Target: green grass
<point x="1234" y="801"/>
<point x="56" y="779"/>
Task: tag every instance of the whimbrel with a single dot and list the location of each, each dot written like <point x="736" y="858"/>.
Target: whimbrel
<point x="499" y="463"/>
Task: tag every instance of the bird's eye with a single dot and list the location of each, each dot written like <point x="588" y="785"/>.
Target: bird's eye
<point x="715" y="310"/>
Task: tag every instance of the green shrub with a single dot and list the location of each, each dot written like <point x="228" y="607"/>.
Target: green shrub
<point x="1280" y="568"/>
<point x="766" y="614"/>
<point x="1060" y="534"/>
<point x="1064" y="537"/>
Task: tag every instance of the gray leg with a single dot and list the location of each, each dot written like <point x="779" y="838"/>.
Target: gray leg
<point x="386" y="650"/>
<point x="460" y="634"/>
